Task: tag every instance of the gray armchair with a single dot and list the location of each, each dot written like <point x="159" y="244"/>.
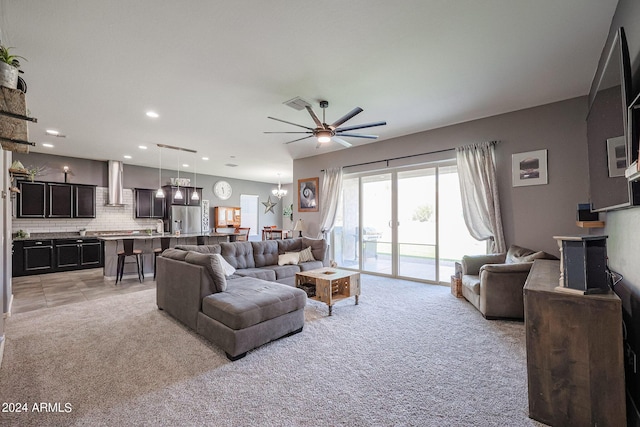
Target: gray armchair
<point x="493" y="283"/>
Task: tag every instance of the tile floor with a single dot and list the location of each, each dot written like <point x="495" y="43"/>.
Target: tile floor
<point x="51" y="290"/>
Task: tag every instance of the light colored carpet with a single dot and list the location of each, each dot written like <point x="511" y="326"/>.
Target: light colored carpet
<point x="410" y="355"/>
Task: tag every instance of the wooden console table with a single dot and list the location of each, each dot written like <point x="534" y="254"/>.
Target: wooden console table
<point x="574" y="353"/>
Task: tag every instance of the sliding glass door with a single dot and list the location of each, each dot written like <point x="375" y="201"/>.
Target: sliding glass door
<point x="417" y="217"/>
<point x="403" y="223"/>
<point x="377" y="232"/>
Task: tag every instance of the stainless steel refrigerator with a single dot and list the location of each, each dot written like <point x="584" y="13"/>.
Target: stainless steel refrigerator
<point x="187" y="219"/>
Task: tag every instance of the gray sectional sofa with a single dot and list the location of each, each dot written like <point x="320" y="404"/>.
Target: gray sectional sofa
<point x="255" y="304"/>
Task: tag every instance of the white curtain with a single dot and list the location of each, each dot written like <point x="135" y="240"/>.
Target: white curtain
<point x="329" y="198"/>
<point x="479" y="190"/>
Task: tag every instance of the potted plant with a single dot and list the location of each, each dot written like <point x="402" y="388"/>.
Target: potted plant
<point x="287" y="211"/>
<point x="9" y="67"/>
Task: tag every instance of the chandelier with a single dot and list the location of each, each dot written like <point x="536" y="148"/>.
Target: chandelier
<point x="279" y="192"/>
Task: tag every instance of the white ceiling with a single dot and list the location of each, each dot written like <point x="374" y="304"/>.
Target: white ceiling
<point x="214" y="70"/>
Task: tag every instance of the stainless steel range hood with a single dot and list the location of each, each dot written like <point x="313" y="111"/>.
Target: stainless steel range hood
<point x="115" y="184"/>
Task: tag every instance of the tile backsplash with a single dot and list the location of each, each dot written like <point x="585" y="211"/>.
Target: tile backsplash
<point x="108" y="218"/>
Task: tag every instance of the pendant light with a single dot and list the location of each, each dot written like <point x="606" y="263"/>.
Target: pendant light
<point x="160" y="192"/>
<point x="178" y="195"/>
<point x="194" y="194"/>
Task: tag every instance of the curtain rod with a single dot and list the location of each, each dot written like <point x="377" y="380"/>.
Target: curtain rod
<point x="396" y="158"/>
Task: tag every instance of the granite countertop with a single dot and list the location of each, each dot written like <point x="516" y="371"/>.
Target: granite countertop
<point x="61" y="235"/>
<point x="111" y="235"/>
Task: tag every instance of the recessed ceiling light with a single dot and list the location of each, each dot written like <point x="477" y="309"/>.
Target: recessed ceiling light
<point x="152" y="114"/>
<point x="142" y="147"/>
<point x="184" y="165"/>
<point x="205" y="158"/>
<point x="46" y="144"/>
<point x="127" y="156"/>
<point x="52" y="132"/>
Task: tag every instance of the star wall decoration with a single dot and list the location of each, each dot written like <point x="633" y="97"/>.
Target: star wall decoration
<point x="268" y="205"/>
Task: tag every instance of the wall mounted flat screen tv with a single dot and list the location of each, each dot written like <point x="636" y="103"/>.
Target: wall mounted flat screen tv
<point x="609" y="139"/>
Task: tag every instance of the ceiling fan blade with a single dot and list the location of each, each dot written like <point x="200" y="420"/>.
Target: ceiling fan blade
<point x="288" y="132"/>
<point x="357" y="135"/>
<point x="299" y="139"/>
<point x="314" y="117"/>
<point x="346" y="117"/>
<point x="341" y="141"/>
<point x="367" y="125"/>
<point x="284" y="121"/>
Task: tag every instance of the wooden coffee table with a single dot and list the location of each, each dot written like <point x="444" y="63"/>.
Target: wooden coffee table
<point x="329" y="285"/>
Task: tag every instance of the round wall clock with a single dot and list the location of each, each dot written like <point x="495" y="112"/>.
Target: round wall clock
<point x="222" y="190"/>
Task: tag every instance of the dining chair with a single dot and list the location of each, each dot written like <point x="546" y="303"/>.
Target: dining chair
<point x="244" y="234"/>
<point x="266" y="232"/>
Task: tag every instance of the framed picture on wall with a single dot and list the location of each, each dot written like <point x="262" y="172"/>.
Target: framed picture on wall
<point x="308" y="195"/>
<point x="616" y="156"/>
<point x="529" y="168"/>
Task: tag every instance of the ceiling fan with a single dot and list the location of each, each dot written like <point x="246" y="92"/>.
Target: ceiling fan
<point x="333" y="132"/>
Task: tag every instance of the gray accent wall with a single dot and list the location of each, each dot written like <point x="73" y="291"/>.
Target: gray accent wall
<point x="531" y="215"/>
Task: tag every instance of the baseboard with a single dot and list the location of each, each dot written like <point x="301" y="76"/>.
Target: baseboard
<point x="8" y="313"/>
<point x="1" y="350"/>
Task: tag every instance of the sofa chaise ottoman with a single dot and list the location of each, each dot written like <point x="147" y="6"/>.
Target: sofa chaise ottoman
<point x="237" y="310"/>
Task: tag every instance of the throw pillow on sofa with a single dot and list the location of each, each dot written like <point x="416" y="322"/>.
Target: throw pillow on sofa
<point x="228" y="268"/>
<point x="292" y="258"/>
<point x="213" y="266"/>
<point x="517" y="254"/>
<point x="306" y="255"/>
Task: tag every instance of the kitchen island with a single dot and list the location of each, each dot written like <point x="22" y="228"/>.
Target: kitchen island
<point x="42" y="253"/>
<point x="112" y="243"/>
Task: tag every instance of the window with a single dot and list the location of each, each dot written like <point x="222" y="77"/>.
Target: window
<point x="249" y="213"/>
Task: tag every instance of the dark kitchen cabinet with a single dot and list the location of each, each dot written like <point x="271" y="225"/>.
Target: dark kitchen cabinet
<point x="17" y="259"/>
<point x="32" y="199"/>
<point x="34" y="257"/>
<point x="91" y="254"/>
<point x="85" y="201"/>
<point x="60" y="200"/>
<point x="170" y="193"/>
<point x="67" y="253"/>
<point x="148" y="205"/>
<point x="74" y="254"/>
<point x="190" y="201"/>
<point x="48" y="256"/>
<point x="56" y="200"/>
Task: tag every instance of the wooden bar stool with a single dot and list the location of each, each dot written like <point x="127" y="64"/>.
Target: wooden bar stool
<point x="127" y="245"/>
<point x="164" y="244"/>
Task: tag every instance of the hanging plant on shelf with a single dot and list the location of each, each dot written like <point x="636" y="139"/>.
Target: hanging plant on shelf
<point x="34" y="171"/>
<point x="9" y="69"/>
<point x="288" y="211"/>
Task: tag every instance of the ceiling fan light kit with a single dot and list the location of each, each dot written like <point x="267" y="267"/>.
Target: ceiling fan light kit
<point x="326" y="133"/>
<point x="324" y="136"/>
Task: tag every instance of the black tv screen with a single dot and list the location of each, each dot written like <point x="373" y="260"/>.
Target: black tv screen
<point x="608" y="145"/>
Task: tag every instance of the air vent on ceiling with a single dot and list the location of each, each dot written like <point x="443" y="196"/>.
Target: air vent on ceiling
<point x="297" y="103"/>
<point x="231" y="165"/>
